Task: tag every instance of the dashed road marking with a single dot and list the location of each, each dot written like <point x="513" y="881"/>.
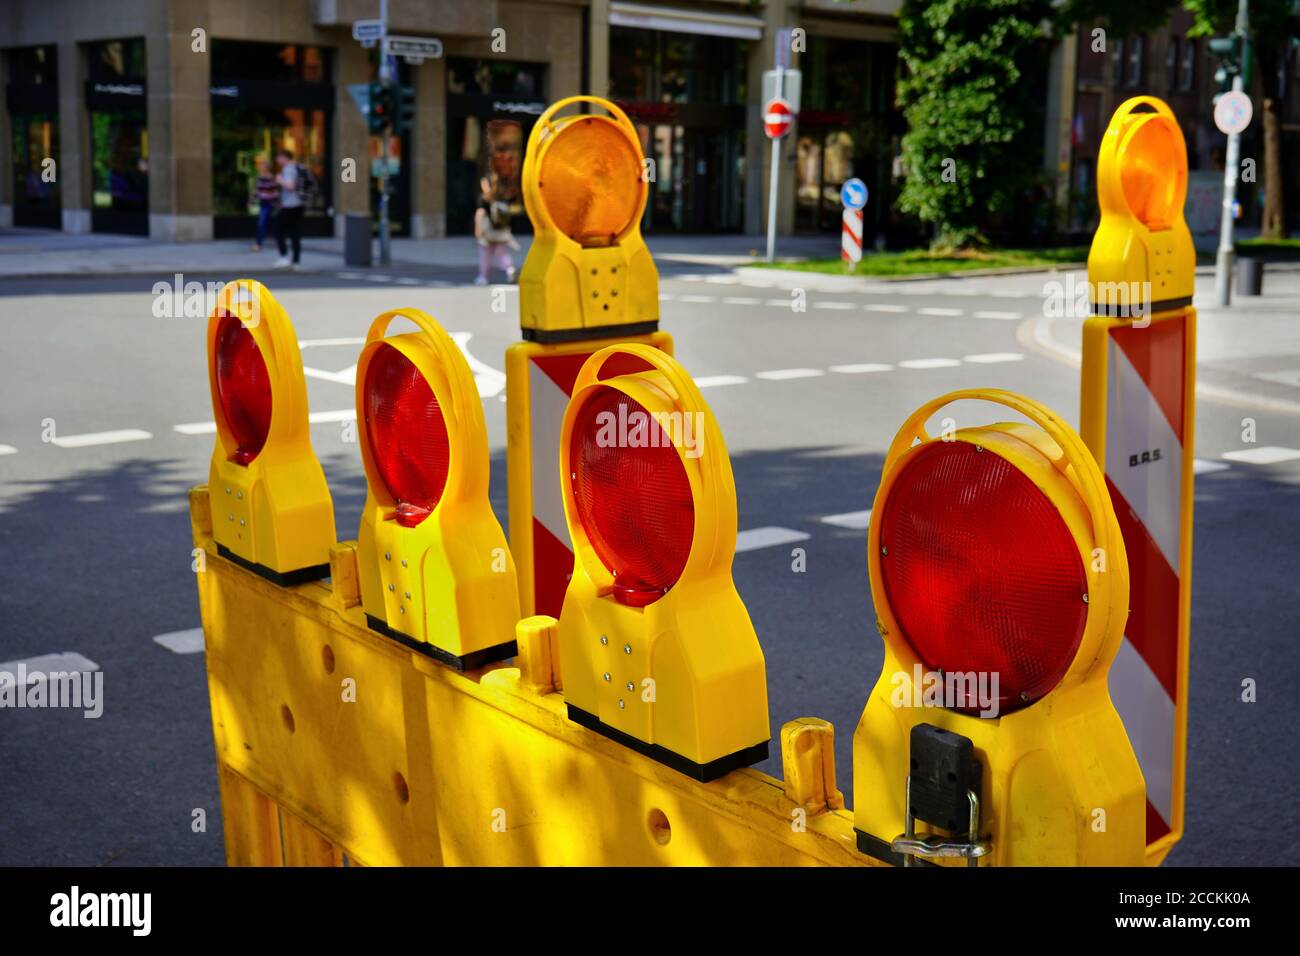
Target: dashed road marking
<point x="347" y="376"/>
<point x="182" y="642"/>
<point x="713" y="381"/>
<point x="1003" y="316"/>
<point x="839" y="306"/>
<point x="780" y="303"/>
<point x="782" y="374"/>
<point x="929" y="363"/>
<point x="853" y="520"/>
<point x="698" y="298"/>
<point x="884" y="307"/>
<point x="379" y="278"/>
<point x="38" y="668"/>
<point x="101" y="438"/>
<point x="1267" y="455"/>
<point x="314" y="343"/>
<point x="932" y="310"/>
<point x="991" y="358"/>
<point x="406" y="280"/>
<point x="741" y="300"/>
<point x="756" y="538"/>
<point x="1202" y="466"/>
<point x="860" y="368"/>
<point x="665" y="297"/>
<point x="8" y="450"/>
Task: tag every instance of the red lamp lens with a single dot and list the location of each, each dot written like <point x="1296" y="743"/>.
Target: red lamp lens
<point x="243" y="387"/>
<point x="633" y="497"/>
<point x="982" y="573"/>
<point x="407" y="434"/>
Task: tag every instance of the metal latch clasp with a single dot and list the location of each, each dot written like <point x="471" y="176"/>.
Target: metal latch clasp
<point x="931" y="846"/>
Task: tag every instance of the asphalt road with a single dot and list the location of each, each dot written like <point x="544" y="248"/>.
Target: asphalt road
<point x="95" y="541"/>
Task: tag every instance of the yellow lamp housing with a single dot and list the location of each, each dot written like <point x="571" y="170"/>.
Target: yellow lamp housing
<point x="1142" y="259"/>
<point x="657" y="650"/>
<point x="436" y="573"/>
<point x="271" y="507"/>
<point x="967" y="530"/>
<point x="588" y="273"/>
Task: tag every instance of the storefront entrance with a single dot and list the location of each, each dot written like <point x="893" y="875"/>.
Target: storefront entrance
<point x="32" y="97"/>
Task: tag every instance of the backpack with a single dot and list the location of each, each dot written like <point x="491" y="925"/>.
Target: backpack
<point x="308" y="189"/>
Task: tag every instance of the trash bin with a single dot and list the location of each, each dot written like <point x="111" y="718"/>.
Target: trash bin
<point x="1250" y="275"/>
<point x="356" y="239"/>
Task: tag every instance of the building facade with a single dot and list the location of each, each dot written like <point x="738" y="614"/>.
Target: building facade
<point x="150" y="117"/>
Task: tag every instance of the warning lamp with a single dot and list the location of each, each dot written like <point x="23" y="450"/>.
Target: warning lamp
<point x="1142" y="260"/>
<point x="436" y="573"/>
<point x="1000" y="584"/>
<point x="271" y="507"/>
<point x="588" y="271"/>
<point x="657" y="650"/>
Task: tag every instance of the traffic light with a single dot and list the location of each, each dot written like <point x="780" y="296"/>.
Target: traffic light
<point x="588" y="272"/>
<point x="404" y="109"/>
<point x="1142" y="259"/>
<point x="1000" y="585"/>
<point x="435" y="570"/>
<point x="271" y="508"/>
<point x="1235" y="52"/>
<point x="380" y="116"/>
<point x="657" y="650"/>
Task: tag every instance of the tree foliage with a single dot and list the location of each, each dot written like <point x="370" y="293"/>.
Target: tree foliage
<point x="969" y="103"/>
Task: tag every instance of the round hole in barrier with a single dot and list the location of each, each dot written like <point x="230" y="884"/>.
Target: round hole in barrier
<point x="327" y="658"/>
<point x="661" y="830"/>
<point x="286" y="715"/>
<point x="403" y="791"/>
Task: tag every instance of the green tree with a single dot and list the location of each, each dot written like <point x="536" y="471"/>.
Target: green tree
<point x="1273" y="25"/>
<point x="969" y="149"/>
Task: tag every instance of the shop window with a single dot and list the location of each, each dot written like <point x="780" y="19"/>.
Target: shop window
<point x="1187" y="66"/>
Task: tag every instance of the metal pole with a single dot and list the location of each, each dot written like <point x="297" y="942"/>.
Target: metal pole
<point x="1224" y="259"/>
<point x="386" y="78"/>
<point x="774" y="179"/>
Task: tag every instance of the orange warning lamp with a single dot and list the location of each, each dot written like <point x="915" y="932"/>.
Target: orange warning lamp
<point x="436" y="573"/>
<point x="1000" y="584"/>
<point x="1142" y="259"/>
<point x="657" y="650"/>
<point x="588" y="271"/>
<point x="271" y="507"/>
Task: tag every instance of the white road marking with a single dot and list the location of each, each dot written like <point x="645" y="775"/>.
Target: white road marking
<point x="990" y="358"/>
<point x="101" y="438"/>
<point x="1203" y="466"/>
<point x="781" y="374"/>
<point x="935" y="311"/>
<point x="8" y="450"/>
<point x="861" y="367"/>
<point x="1004" y="316"/>
<point x="1011" y="295"/>
<point x="722" y="280"/>
<point x="712" y="381"/>
<point x="196" y="428"/>
<point x="405" y="280"/>
<point x="489" y="381"/>
<point x="756" y="538"/>
<point x="1288" y="377"/>
<point x="323" y="418"/>
<point x="929" y="363"/>
<point x="842" y="306"/>
<point x="740" y="300"/>
<point x="853" y="520"/>
<point x="350" y="275"/>
<point x="182" y="642"/>
<point x="440" y="284"/>
<point x="347" y="376"/>
<point x="1267" y="455"/>
<point x="36" y="668"/>
<point x="314" y="343"/>
<point x="780" y="303"/>
<point x="884" y="307"/>
<point x="665" y="297"/>
<point x="698" y="298"/>
<point x="378" y="278"/>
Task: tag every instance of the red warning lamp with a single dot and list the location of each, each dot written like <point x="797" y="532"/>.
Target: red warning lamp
<point x="244" y="388"/>
<point x="982" y="572"/>
<point x="635" y="503"/>
<point x="407" y="435"/>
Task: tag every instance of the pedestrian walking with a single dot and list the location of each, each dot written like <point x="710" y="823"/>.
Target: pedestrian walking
<point x="492" y="231"/>
<point x="267" y="192"/>
<point x="288" y="221"/>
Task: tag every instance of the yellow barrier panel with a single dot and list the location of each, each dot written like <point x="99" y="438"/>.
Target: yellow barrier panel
<point x="1138" y="417"/>
<point x="350" y="746"/>
<point x="1000" y="584"/>
<point x="278" y="516"/>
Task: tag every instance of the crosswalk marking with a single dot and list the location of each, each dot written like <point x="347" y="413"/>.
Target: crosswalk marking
<point x="853" y="520"/>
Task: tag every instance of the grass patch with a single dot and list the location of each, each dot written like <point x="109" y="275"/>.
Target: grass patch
<point x="1288" y="249"/>
<point x="924" y="262"/>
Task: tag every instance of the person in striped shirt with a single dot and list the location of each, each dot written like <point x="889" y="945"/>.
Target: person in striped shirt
<point x="267" y="193"/>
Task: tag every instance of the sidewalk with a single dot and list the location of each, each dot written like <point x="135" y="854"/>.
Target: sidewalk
<point x="38" y="253"/>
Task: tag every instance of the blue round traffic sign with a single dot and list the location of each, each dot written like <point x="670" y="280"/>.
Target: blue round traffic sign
<point x="853" y="193"/>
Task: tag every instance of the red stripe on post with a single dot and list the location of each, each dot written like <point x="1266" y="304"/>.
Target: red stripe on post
<point x="1157" y="353"/>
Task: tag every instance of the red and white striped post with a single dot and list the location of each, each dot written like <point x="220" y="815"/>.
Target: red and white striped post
<point x="851" y="237"/>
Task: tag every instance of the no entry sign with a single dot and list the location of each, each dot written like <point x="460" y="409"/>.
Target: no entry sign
<point x="777" y="118"/>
